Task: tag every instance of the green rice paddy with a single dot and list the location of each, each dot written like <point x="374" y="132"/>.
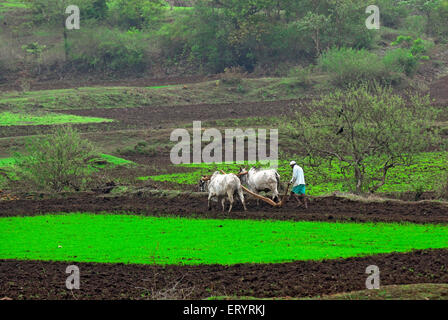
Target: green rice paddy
<point x="27" y="119"/>
<point x="7" y="5"/>
<point x="150" y="240"/>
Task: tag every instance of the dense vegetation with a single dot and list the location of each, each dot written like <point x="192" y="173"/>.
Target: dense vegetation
<point x="265" y="36"/>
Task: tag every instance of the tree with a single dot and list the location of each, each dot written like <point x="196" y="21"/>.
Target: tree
<point x="53" y="12"/>
<point x="368" y="129"/>
<point x="313" y="24"/>
<point x="436" y="13"/>
<point x="58" y="162"/>
<point x="33" y="51"/>
<point x="136" y="13"/>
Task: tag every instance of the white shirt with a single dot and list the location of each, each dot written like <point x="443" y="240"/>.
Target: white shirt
<point x="297" y="176"/>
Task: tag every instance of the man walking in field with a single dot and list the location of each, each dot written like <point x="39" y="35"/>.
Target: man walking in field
<point x="298" y="184"/>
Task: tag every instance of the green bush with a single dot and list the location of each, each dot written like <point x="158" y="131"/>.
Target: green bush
<point x="53" y="11"/>
<point x="392" y="12"/>
<point x="233" y="76"/>
<point x="58" y="162"/>
<point x="406" y="59"/>
<point x="437" y="13"/>
<point x="347" y="66"/>
<point x="134" y="13"/>
<point x="401" y="60"/>
<point x="302" y="75"/>
<point x="109" y="50"/>
<point x="415" y="24"/>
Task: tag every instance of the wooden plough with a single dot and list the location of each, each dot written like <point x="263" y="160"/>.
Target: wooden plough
<point x="265" y="199"/>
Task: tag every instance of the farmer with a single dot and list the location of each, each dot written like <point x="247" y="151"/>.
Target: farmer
<point x="298" y="184"/>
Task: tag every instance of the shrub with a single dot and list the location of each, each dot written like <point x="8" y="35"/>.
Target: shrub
<point x="109" y="50"/>
<point x="401" y="60"/>
<point x="406" y="59"/>
<point x="135" y="13"/>
<point x="302" y="75"/>
<point x="418" y="187"/>
<point x="415" y="24"/>
<point x="57" y="162"/>
<point x="233" y="76"/>
<point x="441" y="187"/>
<point x="437" y="13"/>
<point x="53" y="11"/>
<point x="392" y="12"/>
<point x="347" y="66"/>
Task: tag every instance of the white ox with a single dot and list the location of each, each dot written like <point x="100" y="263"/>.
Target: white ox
<point x="220" y="185"/>
<point x="261" y="180"/>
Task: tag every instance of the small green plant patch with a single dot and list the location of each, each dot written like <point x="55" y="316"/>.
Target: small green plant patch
<point x="116" y="161"/>
<point x="147" y="240"/>
<point x="7" y="162"/>
<point x="26" y="119"/>
<point x="8" y="5"/>
<point x="80" y="98"/>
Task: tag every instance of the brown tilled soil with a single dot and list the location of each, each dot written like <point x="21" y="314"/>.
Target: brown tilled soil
<point x="159" y="117"/>
<point x="439" y="91"/>
<point x="82" y="81"/>
<point x="163" y="115"/>
<point x="195" y="205"/>
<point x="46" y="280"/>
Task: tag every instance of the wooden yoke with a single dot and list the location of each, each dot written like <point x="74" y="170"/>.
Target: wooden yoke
<point x="265" y="199"/>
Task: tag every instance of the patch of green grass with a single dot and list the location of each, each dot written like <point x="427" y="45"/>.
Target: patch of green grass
<point x="116" y="161"/>
<point x="326" y="177"/>
<point x="158" y="87"/>
<point x="83" y="98"/>
<point x="147" y="240"/>
<point x="26" y="119"/>
<point x="6" y="167"/>
<point x="7" y="162"/>
<point x="8" y="5"/>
